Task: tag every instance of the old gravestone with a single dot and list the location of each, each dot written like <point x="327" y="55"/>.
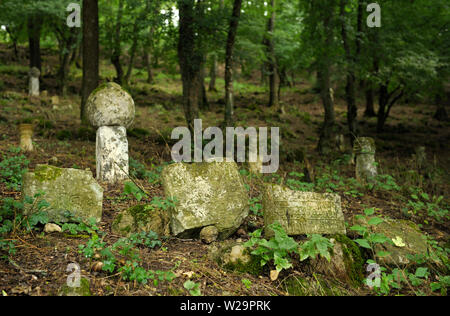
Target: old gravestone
<point x="66" y="190"/>
<point x="366" y="168"/>
<point x="207" y="194"/>
<point x="33" y="88"/>
<point x="111" y="109"/>
<point x="302" y="213"/>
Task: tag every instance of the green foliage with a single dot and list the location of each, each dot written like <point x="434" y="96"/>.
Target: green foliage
<point x="247" y="283"/>
<point x="126" y="249"/>
<point x="130" y="188"/>
<point x="12" y="168"/>
<point x="422" y="203"/>
<point x="256" y="206"/>
<point x="369" y="239"/>
<point x="192" y="287"/>
<point x="12" y="219"/>
<point x="316" y="245"/>
<point x="77" y="225"/>
<point x="275" y="250"/>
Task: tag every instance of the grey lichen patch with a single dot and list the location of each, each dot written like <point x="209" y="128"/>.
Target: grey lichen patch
<point x="142" y="218"/>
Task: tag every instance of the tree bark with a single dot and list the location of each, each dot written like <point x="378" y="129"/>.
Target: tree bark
<point x="34" y="40"/>
<point x="117" y="51"/>
<point x="326" y="140"/>
<point x="272" y="63"/>
<point x="190" y="59"/>
<point x="90" y="52"/>
<point x="231" y="40"/>
<point x="352" y="111"/>
<point x="212" y="74"/>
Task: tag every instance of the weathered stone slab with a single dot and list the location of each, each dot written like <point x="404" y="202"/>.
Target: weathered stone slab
<point x="110" y="105"/>
<point x="70" y="190"/>
<point x="409" y="240"/>
<point x="207" y="194"/>
<point x="142" y="218"/>
<point x="112" y="154"/>
<point x="302" y="213"/>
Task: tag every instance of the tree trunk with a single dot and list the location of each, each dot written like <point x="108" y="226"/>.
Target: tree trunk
<point x="90" y="52"/>
<point x="272" y="63"/>
<point x="231" y="40"/>
<point x="204" y="104"/>
<point x="190" y="59"/>
<point x="212" y="74"/>
<point x="370" y="97"/>
<point x="148" y="65"/>
<point x="441" y="112"/>
<point x="326" y="141"/>
<point x="34" y="40"/>
<point x="117" y="51"/>
<point x="352" y="111"/>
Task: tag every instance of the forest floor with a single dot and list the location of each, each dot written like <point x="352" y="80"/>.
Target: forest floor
<point x="39" y="266"/>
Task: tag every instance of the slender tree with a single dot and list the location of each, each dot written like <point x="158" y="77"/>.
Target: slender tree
<point x="232" y="31"/>
<point x="90" y="52"/>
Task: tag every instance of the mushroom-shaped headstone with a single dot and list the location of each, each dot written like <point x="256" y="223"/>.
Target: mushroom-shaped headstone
<point x="110" y="105"/>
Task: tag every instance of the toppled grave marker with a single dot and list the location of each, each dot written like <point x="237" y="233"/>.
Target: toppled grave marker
<point x="301" y="213"/>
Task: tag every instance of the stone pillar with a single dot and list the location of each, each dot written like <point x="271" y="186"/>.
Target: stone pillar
<point x="26" y="133"/>
<point x="112" y="154"/>
<point x="111" y="109"/>
<point x="421" y="156"/>
<point x="33" y="88"/>
<point x="366" y="168"/>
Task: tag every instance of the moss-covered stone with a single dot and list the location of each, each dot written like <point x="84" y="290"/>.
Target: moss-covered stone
<point x="232" y="255"/>
<point x="411" y="240"/>
<point x="207" y="194"/>
<point x="82" y="290"/>
<point x="47" y="173"/>
<point x="66" y="190"/>
<point x="141" y="218"/>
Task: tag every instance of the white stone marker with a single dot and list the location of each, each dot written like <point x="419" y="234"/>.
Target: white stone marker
<point x="112" y="154"/>
<point x="33" y="88"/>
<point x="366" y="167"/>
<point x="111" y="109"/>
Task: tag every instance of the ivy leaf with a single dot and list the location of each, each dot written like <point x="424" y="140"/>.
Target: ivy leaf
<point x="363" y="243"/>
<point x="375" y="221"/>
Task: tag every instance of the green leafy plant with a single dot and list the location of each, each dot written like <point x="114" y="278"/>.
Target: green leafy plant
<point x="255" y="206"/>
<point x="192" y="287"/>
<point x="12" y="168"/>
<point x="316" y="245"/>
<point x="275" y="250"/>
<point x="369" y="239"/>
<point x="130" y="188"/>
